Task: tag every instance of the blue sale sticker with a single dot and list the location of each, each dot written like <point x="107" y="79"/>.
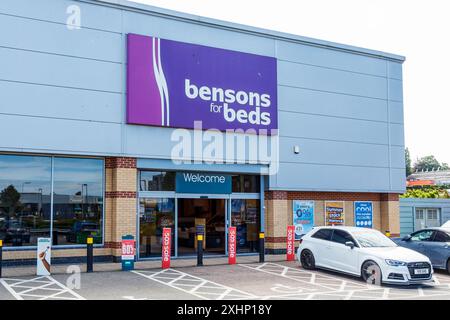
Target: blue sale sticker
<point x="363" y="214"/>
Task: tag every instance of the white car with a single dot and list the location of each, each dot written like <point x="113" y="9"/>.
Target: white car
<point x="365" y="253"/>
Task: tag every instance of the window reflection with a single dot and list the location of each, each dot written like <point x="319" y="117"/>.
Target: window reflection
<point x="157" y="181"/>
<point x="154" y="215"/>
<point x="246" y="183"/>
<point x="77" y="200"/>
<point x="245" y="217"/>
<point x="25" y="183"/>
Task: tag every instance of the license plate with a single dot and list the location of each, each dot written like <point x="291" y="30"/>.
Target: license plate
<point x="421" y="271"/>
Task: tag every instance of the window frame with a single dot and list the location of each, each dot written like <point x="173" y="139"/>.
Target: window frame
<point x="348" y="233"/>
<point x="323" y="229"/>
<point x="64" y="246"/>
<point x="436" y="232"/>
<point x="423" y="230"/>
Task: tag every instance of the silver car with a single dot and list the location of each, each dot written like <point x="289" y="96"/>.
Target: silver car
<point x="431" y="242"/>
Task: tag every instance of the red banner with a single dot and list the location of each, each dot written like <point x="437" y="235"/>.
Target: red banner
<point x="128" y="249"/>
<point x="231" y="245"/>
<point x="166" y="246"/>
<point x="290" y="249"/>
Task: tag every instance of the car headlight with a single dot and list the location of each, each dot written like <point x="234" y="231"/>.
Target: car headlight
<point x="395" y="263"/>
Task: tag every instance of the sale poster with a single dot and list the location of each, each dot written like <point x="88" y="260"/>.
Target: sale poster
<point x="166" y="247"/>
<point x="303" y="217"/>
<point x="334" y="213"/>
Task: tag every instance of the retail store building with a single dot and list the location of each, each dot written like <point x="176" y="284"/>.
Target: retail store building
<point x="99" y="102"/>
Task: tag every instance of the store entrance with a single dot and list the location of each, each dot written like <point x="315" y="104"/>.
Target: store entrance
<point x="207" y="212"/>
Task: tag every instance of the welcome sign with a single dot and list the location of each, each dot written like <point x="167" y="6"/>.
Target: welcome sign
<point x="195" y="182"/>
<point x="174" y="84"/>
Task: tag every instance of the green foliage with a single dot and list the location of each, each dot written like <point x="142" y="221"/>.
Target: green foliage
<point x="427" y="192"/>
<point x="10" y="198"/>
<point x="408" y="162"/>
<point x="429" y="163"/>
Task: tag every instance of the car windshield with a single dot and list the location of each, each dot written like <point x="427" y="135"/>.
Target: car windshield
<point x="371" y="239"/>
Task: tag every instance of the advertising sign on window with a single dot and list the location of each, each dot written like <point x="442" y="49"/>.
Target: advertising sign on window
<point x="363" y="214"/>
<point x="174" y="84"/>
<point x="303" y="217"/>
<point x="334" y="213"/>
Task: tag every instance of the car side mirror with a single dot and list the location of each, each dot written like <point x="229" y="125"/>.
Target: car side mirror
<point x="407" y="238"/>
<point x="350" y="244"/>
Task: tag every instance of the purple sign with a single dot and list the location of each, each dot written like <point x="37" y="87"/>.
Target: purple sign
<point x="173" y="84"/>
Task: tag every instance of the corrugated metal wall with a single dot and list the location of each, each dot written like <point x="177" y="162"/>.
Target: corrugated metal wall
<point x="63" y="91"/>
<point x="407" y="210"/>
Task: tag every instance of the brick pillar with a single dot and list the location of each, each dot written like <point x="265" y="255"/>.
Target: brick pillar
<point x="277" y="220"/>
<point x="121" y="197"/>
<point x="390" y="213"/>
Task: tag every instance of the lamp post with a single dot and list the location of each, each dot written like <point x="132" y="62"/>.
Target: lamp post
<point x="24" y="183"/>
<point x="83" y="199"/>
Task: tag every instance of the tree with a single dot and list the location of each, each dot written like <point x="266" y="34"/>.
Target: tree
<point x="429" y="163"/>
<point x="408" y="162"/>
<point x="10" y="199"/>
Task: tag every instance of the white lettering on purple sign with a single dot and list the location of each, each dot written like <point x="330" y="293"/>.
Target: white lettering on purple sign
<point x="230" y="96"/>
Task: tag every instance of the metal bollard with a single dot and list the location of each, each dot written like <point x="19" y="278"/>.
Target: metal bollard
<point x="261" y="247"/>
<point x="199" y="250"/>
<point x="90" y="254"/>
<point x="1" y="257"/>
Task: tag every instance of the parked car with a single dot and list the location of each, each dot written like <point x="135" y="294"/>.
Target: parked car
<point x="365" y="253"/>
<point x="14" y="232"/>
<point x="433" y="243"/>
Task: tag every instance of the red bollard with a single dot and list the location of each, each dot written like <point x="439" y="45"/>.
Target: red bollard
<point x="166" y="247"/>
<point x="232" y="245"/>
<point x="290" y="247"/>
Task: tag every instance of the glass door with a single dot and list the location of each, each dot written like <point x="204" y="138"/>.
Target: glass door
<point x="201" y="212"/>
<point x="246" y="218"/>
<point x="154" y="215"/>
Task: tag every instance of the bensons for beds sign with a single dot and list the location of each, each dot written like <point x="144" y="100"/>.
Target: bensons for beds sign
<point x="175" y="84"/>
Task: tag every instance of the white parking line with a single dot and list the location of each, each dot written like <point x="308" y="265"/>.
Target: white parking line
<point x="343" y="288"/>
<point x="42" y="288"/>
<point x="196" y="286"/>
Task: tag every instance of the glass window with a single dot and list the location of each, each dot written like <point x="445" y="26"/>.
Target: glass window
<point x="245" y="183"/>
<point x="154" y="215"/>
<point x="156" y="181"/>
<point x="442" y="236"/>
<point x="323" y="234"/>
<point x="342" y="237"/>
<point x="77" y="200"/>
<point x="372" y="239"/>
<point x="25" y="184"/>
<point x="245" y="214"/>
<point x="424" y="235"/>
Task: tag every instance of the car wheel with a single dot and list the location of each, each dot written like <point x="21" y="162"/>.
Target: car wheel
<point x="371" y="272"/>
<point x="307" y="260"/>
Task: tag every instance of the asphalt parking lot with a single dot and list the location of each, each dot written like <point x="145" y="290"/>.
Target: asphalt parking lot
<point x="260" y="281"/>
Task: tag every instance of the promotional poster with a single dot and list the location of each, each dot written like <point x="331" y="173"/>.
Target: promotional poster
<point x="303" y="217"/>
<point x="334" y="213"/>
<point x="44" y="253"/>
<point x="363" y="214"/>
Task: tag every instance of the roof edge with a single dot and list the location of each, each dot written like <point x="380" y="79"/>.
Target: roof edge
<point x="172" y="14"/>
